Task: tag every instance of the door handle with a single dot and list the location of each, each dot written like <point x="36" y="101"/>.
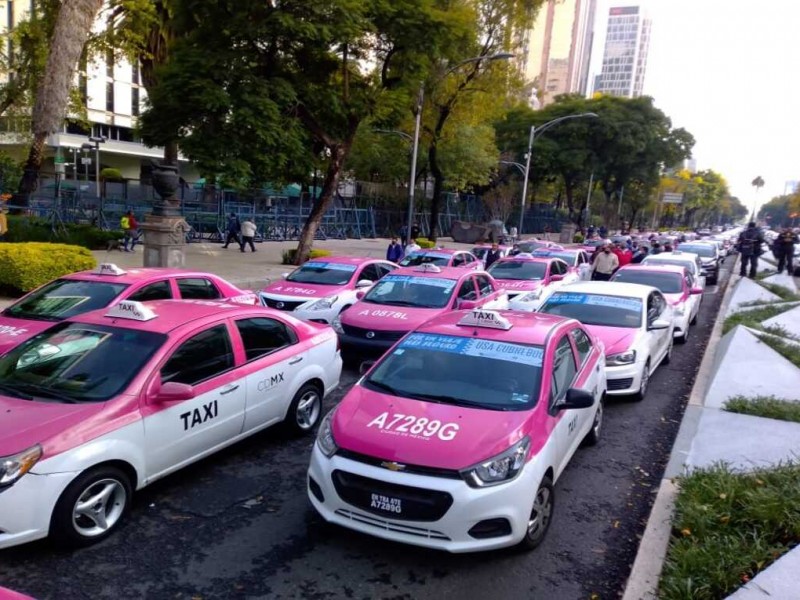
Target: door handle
<point x="294" y="361"/>
<point x="229" y="390"/>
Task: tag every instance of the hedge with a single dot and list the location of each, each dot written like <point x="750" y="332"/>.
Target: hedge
<point x="425" y="243"/>
<point x="288" y="256"/>
<point x="26" y="266"/>
<point x="32" y="229"/>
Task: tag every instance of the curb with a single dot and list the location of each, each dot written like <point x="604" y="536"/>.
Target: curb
<point x="643" y="581"/>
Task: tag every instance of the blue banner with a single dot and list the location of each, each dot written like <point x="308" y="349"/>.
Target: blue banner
<point x="632" y="304"/>
<point x="516" y="353"/>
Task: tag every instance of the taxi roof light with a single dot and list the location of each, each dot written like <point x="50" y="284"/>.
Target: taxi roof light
<point x="490" y="319"/>
<point x="109" y="269"/>
<point x="429" y="268"/>
<point x="129" y="309"/>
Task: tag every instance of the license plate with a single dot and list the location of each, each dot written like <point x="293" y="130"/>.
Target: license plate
<point x="386" y="504"/>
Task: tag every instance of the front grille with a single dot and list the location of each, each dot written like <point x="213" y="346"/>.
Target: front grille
<point x="619" y="384"/>
<point x="377" y="334"/>
<point x="430" y="534"/>
<point x="400" y="502"/>
<point x="282" y="304"/>
<point x="415" y="469"/>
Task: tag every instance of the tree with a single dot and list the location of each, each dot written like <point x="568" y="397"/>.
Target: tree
<point x="71" y="30"/>
<point x="757" y="183"/>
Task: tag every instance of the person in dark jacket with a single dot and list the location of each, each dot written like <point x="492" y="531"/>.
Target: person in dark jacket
<point x="492" y="256"/>
<point x="233" y="228"/>
<point x="394" y="252"/>
<point x="750" y="246"/>
<point x="783" y="249"/>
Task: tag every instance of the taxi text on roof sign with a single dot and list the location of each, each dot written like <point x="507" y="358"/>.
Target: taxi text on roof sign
<point x="129" y="309"/>
<point x="485" y="318"/>
<point x="429" y="268"/>
<point x="109" y="269"/>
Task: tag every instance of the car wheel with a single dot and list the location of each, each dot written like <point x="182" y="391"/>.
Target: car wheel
<point x="639" y="396"/>
<point x="305" y="410"/>
<point x="593" y="437"/>
<point x="541" y="515"/>
<point x="694" y="318"/>
<point x="685" y="337"/>
<point x="91" y="507"/>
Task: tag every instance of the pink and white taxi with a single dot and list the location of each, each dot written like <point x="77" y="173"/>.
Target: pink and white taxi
<point x="322" y="288"/>
<point x="104" y="286"/>
<point x="107" y="402"/>
<point x="482" y="250"/>
<point x="405" y="299"/>
<point x="633" y="321"/>
<point x="676" y="283"/>
<point x="442" y="257"/>
<point x="577" y="260"/>
<point x="456" y="437"/>
<point x="530" y="280"/>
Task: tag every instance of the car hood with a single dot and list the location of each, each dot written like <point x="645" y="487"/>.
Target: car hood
<point x="302" y="290"/>
<point x="28" y="422"/>
<point x="386" y="317"/>
<point x="615" y="339"/>
<point x="364" y="423"/>
<point x="15" y="331"/>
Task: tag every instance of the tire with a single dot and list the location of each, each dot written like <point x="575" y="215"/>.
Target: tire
<point x="104" y="497"/>
<point x="639" y="396"/>
<point x="593" y="437"/>
<point x="685" y="337"/>
<point x="694" y="318"/>
<point x="541" y="516"/>
<point x="304" y="411"/>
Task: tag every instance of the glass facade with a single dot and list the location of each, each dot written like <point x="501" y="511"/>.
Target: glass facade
<point x="625" y="54"/>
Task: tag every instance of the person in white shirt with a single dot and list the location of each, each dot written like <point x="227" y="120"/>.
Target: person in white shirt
<point x="248" y="233"/>
<point x="412" y="247"/>
<point x="604" y="264"/>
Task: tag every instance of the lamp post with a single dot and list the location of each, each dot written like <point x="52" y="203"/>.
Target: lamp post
<point x="541" y="129"/>
<point x="95" y="145"/>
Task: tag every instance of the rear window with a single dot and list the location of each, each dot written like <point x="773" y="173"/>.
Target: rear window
<point x="667" y="283"/>
<point x="323" y="273"/>
<point x="700" y="250"/>
<point x="65" y="298"/>
<point x="423" y="258"/>
<point x="596" y="309"/>
<point x="518" y="270"/>
<point x="408" y="290"/>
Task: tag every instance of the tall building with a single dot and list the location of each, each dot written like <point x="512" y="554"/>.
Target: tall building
<point x="625" y="53"/>
<point x="555" y="51"/>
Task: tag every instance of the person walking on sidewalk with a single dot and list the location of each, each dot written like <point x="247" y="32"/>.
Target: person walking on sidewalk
<point x="750" y="246"/>
<point x="605" y="264"/>
<point x="394" y="253"/>
<point x="249" y="230"/>
<point x="129" y="229"/>
<point x="232" y="229"/>
<point x="783" y="249"/>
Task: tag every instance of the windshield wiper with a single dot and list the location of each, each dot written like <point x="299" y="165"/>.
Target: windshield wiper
<point x="384" y="387"/>
<point x="14" y="391"/>
<point x="31" y="316"/>
<point x="48" y="392"/>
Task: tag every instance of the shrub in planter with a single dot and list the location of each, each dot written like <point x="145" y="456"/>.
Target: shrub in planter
<point x="26" y="266"/>
<point x="425" y="243"/>
<point x="32" y="229"/>
<point x="111" y="174"/>
<point x="288" y="256"/>
<point x="577" y="238"/>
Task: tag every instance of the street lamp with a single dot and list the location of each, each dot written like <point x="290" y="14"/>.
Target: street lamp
<point x="519" y="166"/>
<point x="97" y="140"/>
<point x="540" y="130"/>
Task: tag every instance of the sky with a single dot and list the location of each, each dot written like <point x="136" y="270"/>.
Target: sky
<point x="728" y="71"/>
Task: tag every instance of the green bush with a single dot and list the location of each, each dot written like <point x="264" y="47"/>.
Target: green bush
<point x="31" y="229"/>
<point x="26" y="266"/>
<point x="288" y="256"/>
<point x="425" y="243"/>
<point x="578" y="238"/>
<point x="111" y="174"/>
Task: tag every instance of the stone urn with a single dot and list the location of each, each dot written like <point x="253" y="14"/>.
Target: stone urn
<point x="165" y="229"/>
<point x="165" y="183"/>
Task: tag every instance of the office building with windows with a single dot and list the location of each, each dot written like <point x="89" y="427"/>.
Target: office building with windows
<point x="627" y="42"/>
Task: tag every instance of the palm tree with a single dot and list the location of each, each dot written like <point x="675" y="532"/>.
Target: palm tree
<point x="73" y="24"/>
<point x="757" y="183"/>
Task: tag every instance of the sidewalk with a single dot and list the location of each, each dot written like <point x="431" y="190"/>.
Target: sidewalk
<point x="739" y="363"/>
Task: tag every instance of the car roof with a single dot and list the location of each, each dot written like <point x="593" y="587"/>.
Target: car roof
<point x="441" y="273"/>
<point x="689" y="256"/>
<point x="136" y="275"/>
<point x="170" y="314"/>
<point x="534" y="259"/>
<point x="655" y="268"/>
<point x="345" y="260"/>
<point x="527" y="327"/>
<point x="608" y="288"/>
<point x="438" y="250"/>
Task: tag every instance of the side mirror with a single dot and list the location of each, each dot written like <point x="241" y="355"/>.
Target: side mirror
<point x="556" y="277"/>
<point x="365" y="366"/>
<point x="466" y="305"/>
<point x="174" y="392"/>
<point x="576" y="399"/>
<point x="362" y="283"/>
<point x="284" y="275"/>
<point x="360" y="294"/>
<point x="696" y="290"/>
<point x="658" y="324"/>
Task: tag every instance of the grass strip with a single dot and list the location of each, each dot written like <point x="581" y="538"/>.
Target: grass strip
<point x="728" y="527"/>
<point x="788" y="350"/>
<point x="765" y="406"/>
<point x="782" y="292"/>
<point x="752" y="318"/>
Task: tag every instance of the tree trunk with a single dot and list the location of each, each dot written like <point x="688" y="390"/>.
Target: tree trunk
<point x="171" y="153"/>
<point x="438" y="185"/>
<point x="330" y="184"/>
<point x="73" y="24"/>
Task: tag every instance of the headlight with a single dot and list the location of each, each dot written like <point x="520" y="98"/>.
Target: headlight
<point x="624" y="358"/>
<point x="337" y="325"/>
<point x="325" y="435"/>
<point x="532" y="296"/>
<point x="14" y="467"/>
<point x="324" y="303"/>
<point x="500" y="469"/>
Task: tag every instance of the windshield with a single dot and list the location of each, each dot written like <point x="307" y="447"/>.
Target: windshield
<point x="73" y="362"/>
<point x="667" y="283"/>
<point x="322" y="273"/>
<point x="689" y="264"/>
<point x="567" y="257"/>
<point x="64" y="298"/>
<point x="595" y="309"/>
<point x="418" y="258"/>
<point x="700" y="249"/>
<point x="461" y="371"/>
<point x="531" y="246"/>
<point x="408" y="290"/>
<point x="518" y="270"/>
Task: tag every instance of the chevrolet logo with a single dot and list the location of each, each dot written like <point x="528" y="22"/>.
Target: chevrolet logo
<point x="393" y="466"/>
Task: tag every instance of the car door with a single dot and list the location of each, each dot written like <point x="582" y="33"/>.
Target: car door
<point x="274" y="358"/>
<point x="657" y="338"/>
<point x="467" y="292"/>
<point x="370" y="272"/>
<point x="176" y="433"/>
<point x="385" y="268"/>
<point x="157" y="290"/>
<point x="489" y="296"/>
<point x="197" y="288"/>
<point x="562" y="378"/>
<point x="694" y="299"/>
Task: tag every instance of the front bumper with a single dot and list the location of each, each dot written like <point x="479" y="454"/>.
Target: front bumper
<point x="299" y="308"/>
<point x="511" y="501"/>
<point x="681" y="323"/>
<point x="624" y="380"/>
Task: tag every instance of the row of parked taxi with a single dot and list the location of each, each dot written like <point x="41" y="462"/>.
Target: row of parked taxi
<point x="485" y="385"/>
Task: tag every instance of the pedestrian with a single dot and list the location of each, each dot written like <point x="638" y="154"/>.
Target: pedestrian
<point x="639" y="255"/>
<point x="233" y="228"/>
<point x="411" y="248"/>
<point x="128" y="224"/>
<point x="624" y="256"/>
<point x="492" y="256"/>
<point x="783" y="249"/>
<point x="395" y="251"/>
<point x="750" y="247"/>
<point x="514" y="250"/>
<point x="248" y="233"/>
<point x="605" y="264"/>
<point x="656" y="249"/>
<point x="603" y="231"/>
<point x="414" y="232"/>
<point x="668" y="247"/>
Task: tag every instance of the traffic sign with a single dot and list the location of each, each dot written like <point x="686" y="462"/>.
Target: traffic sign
<point x="670" y="198"/>
<point x="86" y="161"/>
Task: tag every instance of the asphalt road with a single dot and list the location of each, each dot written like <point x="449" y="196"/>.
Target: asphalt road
<point x="238" y="525"/>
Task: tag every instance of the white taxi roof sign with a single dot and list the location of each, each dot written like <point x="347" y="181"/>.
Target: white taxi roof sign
<point x="109" y="269"/>
<point x="429" y="268"/>
<point x="130" y="309"/>
<point x="490" y="319"/>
